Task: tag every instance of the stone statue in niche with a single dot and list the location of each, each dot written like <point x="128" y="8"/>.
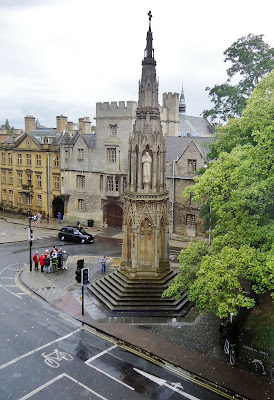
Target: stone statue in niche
<point x="147" y="162"/>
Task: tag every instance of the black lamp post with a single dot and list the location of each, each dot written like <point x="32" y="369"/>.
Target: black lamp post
<point x="30" y="243"/>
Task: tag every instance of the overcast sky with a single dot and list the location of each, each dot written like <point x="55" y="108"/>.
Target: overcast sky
<point x="63" y="56"/>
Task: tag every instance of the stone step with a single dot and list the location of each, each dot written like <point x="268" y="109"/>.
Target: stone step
<point x="155" y="306"/>
<point x="119" y="294"/>
<point x="124" y="299"/>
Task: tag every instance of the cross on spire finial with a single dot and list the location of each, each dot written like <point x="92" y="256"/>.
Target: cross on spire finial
<point x="150" y="16"/>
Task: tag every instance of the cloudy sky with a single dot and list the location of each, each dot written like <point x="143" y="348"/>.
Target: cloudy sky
<point x="63" y="56"/>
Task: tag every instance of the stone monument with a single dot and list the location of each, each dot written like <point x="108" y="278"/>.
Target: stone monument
<point x="145" y="269"/>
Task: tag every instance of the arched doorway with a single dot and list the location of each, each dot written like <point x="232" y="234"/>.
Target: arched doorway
<point x="114" y="216"/>
<point x="57" y="205"/>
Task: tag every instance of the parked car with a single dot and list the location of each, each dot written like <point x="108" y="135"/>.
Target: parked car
<point x="75" y="235"/>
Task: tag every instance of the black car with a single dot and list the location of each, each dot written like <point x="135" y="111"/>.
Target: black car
<point x="75" y="235"/>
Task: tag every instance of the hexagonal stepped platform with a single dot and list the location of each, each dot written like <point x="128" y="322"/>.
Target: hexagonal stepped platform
<point x="121" y="294"/>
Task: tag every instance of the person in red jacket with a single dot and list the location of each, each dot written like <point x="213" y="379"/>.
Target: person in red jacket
<point x="42" y="262"/>
<point x="36" y="260"/>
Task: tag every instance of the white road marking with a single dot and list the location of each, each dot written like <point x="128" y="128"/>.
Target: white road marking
<point x="100" y="354"/>
<point x="111" y="377"/>
<point x="14" y="294"/>
<point x="40" y="388"/>
<point x="162" y="382"/>
<point x="39" y="348"/>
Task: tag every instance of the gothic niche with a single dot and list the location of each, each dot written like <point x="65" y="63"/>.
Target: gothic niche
<point x="147" y="169"/>
<point x="146" y="244"/>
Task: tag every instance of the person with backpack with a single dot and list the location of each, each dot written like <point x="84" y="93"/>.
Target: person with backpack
<point x="47" y="263"/>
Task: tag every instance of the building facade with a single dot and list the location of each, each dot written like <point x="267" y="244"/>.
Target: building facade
<point x="30" y="171"/>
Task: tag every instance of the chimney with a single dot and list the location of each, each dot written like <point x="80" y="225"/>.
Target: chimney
<point x="86" y="125"/>
<point x="29" y="123"/>
<point x="61" y="123"/>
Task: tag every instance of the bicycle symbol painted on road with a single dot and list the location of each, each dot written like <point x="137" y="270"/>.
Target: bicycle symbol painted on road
<point x="53" y="359"/>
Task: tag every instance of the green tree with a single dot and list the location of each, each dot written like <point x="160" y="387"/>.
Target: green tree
<point x="251" y="59"/>
<point x="238" y="190"/>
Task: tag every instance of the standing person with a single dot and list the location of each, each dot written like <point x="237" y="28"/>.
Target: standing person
<point x="36" y="259"/>
<point x="42" y="262"/>
<point x="47" y="217"/>
<point x="54" y="260"/>
<point x="34" y="219"/>
<point x="59" y="258"/>
<point x="103" y="263"/>
<point x="47" y="263"/>
<point x="59" y="217"/>
<point x="65" y="259"/>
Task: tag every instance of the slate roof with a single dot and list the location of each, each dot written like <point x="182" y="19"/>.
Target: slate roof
<point x="176" y="146"/>
<point x="194" y="126"/>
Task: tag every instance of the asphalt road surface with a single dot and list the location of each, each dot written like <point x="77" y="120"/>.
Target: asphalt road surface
<point x="48" y="355"/>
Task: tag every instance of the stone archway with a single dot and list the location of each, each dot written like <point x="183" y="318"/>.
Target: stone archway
<point x="57" y="205"/>
<point x="114" y="215"/>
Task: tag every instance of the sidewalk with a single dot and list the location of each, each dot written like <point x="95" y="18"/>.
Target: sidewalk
<point x="192" y="343"/>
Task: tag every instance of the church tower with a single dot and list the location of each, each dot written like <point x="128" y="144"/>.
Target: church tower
<point x="145" y="223"/>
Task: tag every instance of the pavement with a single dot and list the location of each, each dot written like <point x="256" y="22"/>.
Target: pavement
<point x="191" y="343"/>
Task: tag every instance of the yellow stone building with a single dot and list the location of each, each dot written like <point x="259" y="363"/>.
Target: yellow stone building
<point x="30" y="171"/>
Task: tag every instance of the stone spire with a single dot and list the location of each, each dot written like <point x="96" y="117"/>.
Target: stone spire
<point x="182" y="104"/>
<point x="148" y="86"/>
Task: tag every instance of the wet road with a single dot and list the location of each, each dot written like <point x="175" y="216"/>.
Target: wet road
<point x="47" y="355"/>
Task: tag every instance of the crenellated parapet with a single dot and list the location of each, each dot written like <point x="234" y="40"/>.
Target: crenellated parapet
<point x="116" y="109"/>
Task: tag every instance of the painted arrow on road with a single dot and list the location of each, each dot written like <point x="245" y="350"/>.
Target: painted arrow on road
<point x="163" y="382"/>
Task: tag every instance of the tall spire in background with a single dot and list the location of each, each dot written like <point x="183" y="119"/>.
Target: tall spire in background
<point x="182" y="104"/>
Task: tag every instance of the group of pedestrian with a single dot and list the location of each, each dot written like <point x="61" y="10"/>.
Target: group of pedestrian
<point x="37" y="218"/>
<point x="56" y="259"/>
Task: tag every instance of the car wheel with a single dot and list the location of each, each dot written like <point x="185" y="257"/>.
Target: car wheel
<point x="62" y="238"/>
<point x="83" y="241"/>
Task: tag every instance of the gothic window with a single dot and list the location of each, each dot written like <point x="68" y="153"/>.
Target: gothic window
<point x="117" y="184"/>
<point x="111" y="152"/>
<point x="4" y="177"/>
<point x="80" y="181"/>
<point x="110" y="184"/>
<point x="28" y="159"/>
<point x="19" y="178"/>
<point x="66" y="154"/>
<point x="19" y="159"/>
<point x="3" y="158"/>
<point x="190" y="220"/>
<point x="38" y="160"/>
<point x="38" y="181"/>
<point x="11" y="196"/>
<point x="101" y="183"/>
<point x="10" y="178"/>
<point x="10" y="158"/>
<point x="113" y="129"/>
<point x="56" y="182"/>
<point x="81" y="205"/>
<point x="192" y="165"/>
<point x="80" y="154"/>
<point x="125" y="183"/>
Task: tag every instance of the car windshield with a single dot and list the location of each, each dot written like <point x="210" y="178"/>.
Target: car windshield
<point x="83" y="231"/>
